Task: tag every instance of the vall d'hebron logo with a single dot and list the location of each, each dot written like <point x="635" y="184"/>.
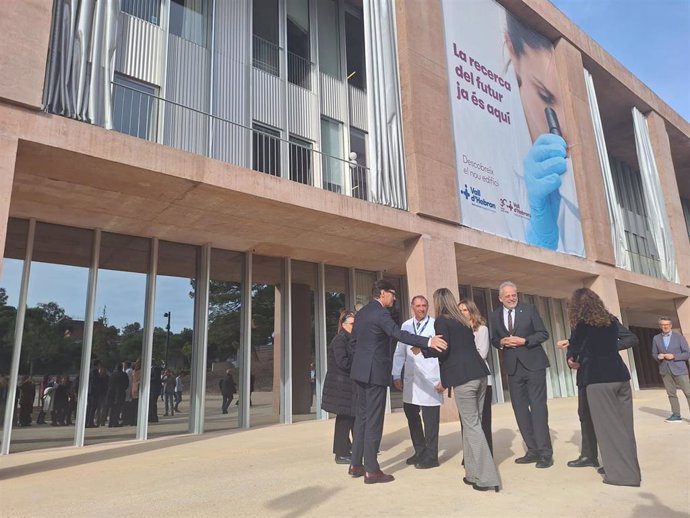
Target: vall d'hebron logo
<point x="512" y="207"/>
<point x="474" y="195"/>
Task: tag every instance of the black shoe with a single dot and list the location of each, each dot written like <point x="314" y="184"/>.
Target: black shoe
<point x="530" y="458"/>
<point x="412" y="460"/>
<point x="467" y="481"/>
<point x="427" y="464"/>
<point x="484" y="488"/>
<point x="583" y="462"/>
<point x="342" y="460"/>
<point x="601" y="471"/>
<point x="545" y="462"/>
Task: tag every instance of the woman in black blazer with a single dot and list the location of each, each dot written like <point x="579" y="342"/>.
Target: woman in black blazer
<point x="338" y="393"/>
<point x="464" y="369"/>
<point x="593" y="350"/>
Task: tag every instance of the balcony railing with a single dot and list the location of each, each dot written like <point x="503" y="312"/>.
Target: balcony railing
<point x="266" y="57"/>
<point x="152" y="118"/>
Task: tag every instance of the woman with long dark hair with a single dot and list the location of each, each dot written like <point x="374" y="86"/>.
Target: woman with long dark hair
<point x="593" y="349"/>
<point x="465" y="370"/>
<point x="338" y="394"/>
<point x="481" y="340"/>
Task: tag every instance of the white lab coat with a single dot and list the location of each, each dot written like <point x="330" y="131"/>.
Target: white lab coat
<point x="421" y="374"/>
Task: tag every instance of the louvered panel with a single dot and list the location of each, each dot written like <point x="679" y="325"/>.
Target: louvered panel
<point x="139" y="49"/>
<point x="331" y="97"/>
<point x="187" y="85"/>
<point x="231" y="143"/>
<point x="266" y="98"/>
<point x="300" y="112"/>
<point x="358" y="108"/>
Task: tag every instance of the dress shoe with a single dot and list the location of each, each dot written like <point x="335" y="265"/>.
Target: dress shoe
<point x="545" y="462"/>
<point x="426" y="464"/>
<point x="356" y="471"/>
<point x="484" y="488"/>
<point x="412" y="460"/>
<point x="527" y="459"/>
<point x="342" y="460"/>
<point x="378" y="477"/>
<point x="583" y="462"/>
<point x="601" y="471"/>
<point x="467" y="481"/>
<point x="614" y="484"/>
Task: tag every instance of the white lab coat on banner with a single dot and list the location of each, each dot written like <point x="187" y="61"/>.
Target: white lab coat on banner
<point x="421" y="374"/>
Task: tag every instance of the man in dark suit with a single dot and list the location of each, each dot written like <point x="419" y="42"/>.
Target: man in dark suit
<point x="517" y="329"/>
<point x="371" y="370"/>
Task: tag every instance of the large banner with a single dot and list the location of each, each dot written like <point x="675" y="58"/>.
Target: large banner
<point x="514" y="173"/>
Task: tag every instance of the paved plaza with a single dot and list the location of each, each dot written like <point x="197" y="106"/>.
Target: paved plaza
<point x="288" y="471"/>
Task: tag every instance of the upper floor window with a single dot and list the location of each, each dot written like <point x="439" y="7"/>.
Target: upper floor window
<point x="134" y="107"/>
<point x="329" y="38"/>
<point x="265" y="43"/>
<point x="147" y="10"/>
<point x="298" y="43"/>
<point x="354" y="46"/>
<point x="189" y="20"/>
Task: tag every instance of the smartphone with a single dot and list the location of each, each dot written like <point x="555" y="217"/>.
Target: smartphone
<point x="552" y="121"/>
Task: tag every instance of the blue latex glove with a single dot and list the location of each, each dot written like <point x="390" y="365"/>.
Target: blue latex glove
<point x="543" y="167"/>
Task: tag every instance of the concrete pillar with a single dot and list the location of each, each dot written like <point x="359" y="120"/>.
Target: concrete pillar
<point x="432" y="186"/>
<point x="431" y="265"/>
<point x="582" y="149"/>
<point x="683" y="313"/>
<point x="669" y="187"/>
<point x="8" y="158"/>
<point x="301" y="348"/>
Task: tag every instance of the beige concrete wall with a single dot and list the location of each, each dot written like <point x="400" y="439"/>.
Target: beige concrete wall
<point x="582" y="149"/>
<point x="24" y="36"/>
<point x="683" y="313"/>
<point x="427" y="125"/>
<point x="8" y="156"/>
<point x="671" y="196"/>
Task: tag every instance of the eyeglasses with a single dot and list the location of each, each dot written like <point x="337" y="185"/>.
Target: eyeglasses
<point x="349" y="322"/>
<point x="392" y="292"/>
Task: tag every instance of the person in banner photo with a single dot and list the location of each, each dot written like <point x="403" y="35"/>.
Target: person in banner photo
<point x="554" y="214"/>
<point x="514" y="173"/>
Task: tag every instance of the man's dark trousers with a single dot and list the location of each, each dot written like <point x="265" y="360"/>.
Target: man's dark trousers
<point x="425" y="441"/>
<point x="371" y="406"/>
<point x="528" y="397"/>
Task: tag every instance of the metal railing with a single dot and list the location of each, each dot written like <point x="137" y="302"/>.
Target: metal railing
<point x="299" y="70"/>
<point x="265" y="55"/>
<point x="147" y="10"/>
<point x="152" y="118"/>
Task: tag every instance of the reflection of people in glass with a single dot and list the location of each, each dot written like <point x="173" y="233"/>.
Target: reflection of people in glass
<point x="545" y="164"/>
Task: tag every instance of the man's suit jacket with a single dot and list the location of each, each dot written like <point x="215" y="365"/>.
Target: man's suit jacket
<point x="526" y="324"/>
<point x="678" y="346"/>
<point x="370" y="339"/>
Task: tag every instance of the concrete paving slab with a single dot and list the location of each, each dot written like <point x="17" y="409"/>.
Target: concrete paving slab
<point x="288" y="471"/>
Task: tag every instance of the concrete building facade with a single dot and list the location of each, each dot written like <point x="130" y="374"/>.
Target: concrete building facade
<point x="204" y="184"/>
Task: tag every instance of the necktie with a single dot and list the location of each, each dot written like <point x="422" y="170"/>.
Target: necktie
<point x="510" y="321"/>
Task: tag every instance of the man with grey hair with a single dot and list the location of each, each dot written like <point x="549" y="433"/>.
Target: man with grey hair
<point x="518" y="330"/>
<point x="671" y="351"/>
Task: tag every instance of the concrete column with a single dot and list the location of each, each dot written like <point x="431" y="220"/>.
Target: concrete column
<point x="683" y="313"/>
<point x="430" y="161"/>
<point x="582" y="150"/>
<point x="8" y="158"/>
<point x="669" y="188"/>
<point x="431" y="265"/>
